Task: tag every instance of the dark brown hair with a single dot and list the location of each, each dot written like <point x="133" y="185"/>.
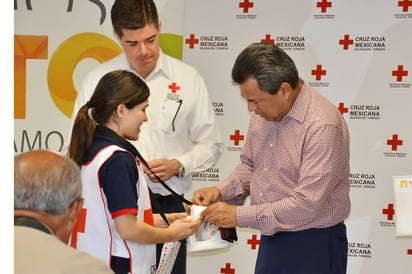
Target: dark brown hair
<point x="133" y="14"/>
<point x="114" y="88"/>
<point x="268" y="64"/>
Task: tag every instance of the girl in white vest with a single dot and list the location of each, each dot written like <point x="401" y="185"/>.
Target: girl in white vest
<point x="116" y="223"/>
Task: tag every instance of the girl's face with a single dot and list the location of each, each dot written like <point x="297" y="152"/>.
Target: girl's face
<point x="132" y="119"/>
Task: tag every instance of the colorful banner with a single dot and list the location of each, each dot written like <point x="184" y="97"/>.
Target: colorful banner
<point x="356" y="53"/>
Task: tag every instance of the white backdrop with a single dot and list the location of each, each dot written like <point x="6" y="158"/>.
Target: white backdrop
<point x="356" y="53"/>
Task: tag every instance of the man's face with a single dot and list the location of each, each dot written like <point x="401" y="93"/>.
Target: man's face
<point x="141" y="47"/>
<point x="271" y="107"/>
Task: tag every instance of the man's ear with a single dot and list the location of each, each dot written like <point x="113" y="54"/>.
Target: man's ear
<point x="75" y="210"/>
<point x="65" y="223"/>
<point x="285" y="89"/>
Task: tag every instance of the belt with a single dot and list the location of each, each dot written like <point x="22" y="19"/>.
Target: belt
<point x="168" y="198"/>
<point x="289" y="232"/>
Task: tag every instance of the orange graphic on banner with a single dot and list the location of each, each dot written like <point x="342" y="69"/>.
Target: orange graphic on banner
<point x="65" y="59"/>
<point x="25" y="47"/>
<point x="403" y="183"/>
<point x="63" y="62"/>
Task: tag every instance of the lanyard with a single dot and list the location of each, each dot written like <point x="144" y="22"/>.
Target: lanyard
<point x="108" y="132"/>
<point x="180" y="197"/>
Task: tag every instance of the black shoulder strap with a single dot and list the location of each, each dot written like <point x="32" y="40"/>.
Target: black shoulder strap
<point x="131" y="149"/>
<point x="156" y="205"/>
<point x="180" y="197"/>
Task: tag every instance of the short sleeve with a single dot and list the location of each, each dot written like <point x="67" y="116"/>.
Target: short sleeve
<point x="118" y="178"/>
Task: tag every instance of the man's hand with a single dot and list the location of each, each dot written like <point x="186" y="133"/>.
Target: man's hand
<point x="206" y="196"/>
<point x="220" y="214"/>
<point x="164" y="169"/>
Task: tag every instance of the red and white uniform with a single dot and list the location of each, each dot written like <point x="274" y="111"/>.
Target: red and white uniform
<point x="100" y="237"/>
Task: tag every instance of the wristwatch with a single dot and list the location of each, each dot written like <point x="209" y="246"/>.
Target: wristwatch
<point x="181" y="171"/>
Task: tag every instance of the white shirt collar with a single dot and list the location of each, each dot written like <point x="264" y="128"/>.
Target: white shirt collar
<point x="161" y="66"/>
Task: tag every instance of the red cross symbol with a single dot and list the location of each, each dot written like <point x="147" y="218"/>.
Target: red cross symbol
<point x="399" y="73"/>
<point x="148" y="217"/>
<point x="253" y="242"/>
<point x="323" y="5"/>
<point x="342" y="108"/>
<point x="389" y="211"/>
<point x="246" y="5"/>
<point x="346" y="42"/>
<point x="79" y="226"/>
<point x="192" y="41"/>
<point x="267" y="39"/>
<point x="227" y="269"/>
<point x="237" y="137"/>
<point x="318" y="72"/>
<point x="405" y="4"/>
<point x="174" y="87"/>
<point x="394" y="142"/>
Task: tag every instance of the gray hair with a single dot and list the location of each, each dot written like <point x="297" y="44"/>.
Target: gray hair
<point x="45" y="181"/>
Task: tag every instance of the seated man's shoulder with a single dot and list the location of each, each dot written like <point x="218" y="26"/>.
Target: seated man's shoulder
<point x="45" y="253"/>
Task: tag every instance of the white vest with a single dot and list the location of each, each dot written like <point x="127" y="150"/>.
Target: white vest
<point x="100" y="237"/>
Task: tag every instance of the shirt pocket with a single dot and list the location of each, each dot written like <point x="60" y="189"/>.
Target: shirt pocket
<point x="169" y="116"/>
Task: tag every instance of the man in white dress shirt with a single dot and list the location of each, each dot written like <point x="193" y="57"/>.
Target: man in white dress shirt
<point x="181" y="137"/>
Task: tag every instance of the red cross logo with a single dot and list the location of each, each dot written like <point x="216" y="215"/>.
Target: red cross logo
<point x="227" y="269"/>
<point x="192" y="41"/>
<point x="237" y="137"/>
<point x="174" y="87"/>
<point x="253" y="242"/>
<point x="399" y="73"/>
<point x="342" y="108"/>
<point x="346" y="42"/>
<point x="148" y="217"/>
<point x="389" y="211"/>
<point x="318" y="72"/>
<point x="79" y="227"/>
<point x="405" y="4"/>
<point x="246" y="5"/>
<point x="394" y="142"/>
<point x="323" y="5"/>
<point x="268" y="39"/>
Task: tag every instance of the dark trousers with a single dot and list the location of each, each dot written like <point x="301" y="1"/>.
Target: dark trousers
<point x="170" y="204"/>
<point x="120" y="265"/>
<point x="312" y="251"/>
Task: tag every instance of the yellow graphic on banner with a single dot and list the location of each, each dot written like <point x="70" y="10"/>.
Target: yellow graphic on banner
<point x="65" y="59"/>
<point x="403" y="183"/>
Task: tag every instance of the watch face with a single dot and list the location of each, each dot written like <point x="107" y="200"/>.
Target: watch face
<point x="182" y="172"/>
